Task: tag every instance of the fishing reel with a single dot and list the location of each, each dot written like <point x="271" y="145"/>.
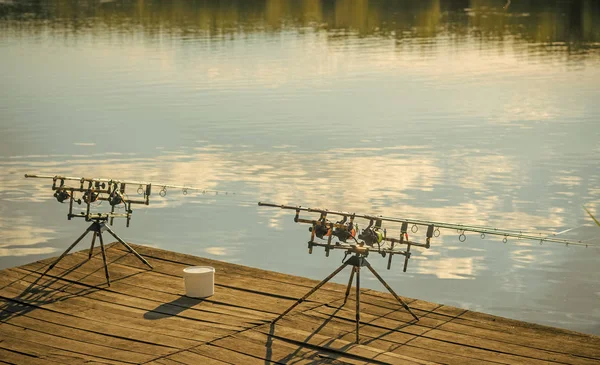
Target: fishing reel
<point x="340" y="229"/>
<point x="320" y="231"/>
<point x="341" y="233"/>
<point x="90" y="197"/>
<point x="374" y="235"/>
<point x="62" y="195"/>
<point x="320" y="228"/>
<point x="115" y="198"/>
<point x="348" y="231"/>
<point x="344" y="234"/>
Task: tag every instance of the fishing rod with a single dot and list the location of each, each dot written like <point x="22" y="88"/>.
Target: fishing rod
<point x="374" y="238"/>
<point x="93" y="191"/>
<point x="113" y="191"/>
<point x="461" y="228"/>
<point x="164" y="187"/>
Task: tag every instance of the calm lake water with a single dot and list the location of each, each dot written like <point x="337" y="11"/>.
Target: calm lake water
<point x="456" y="111"/>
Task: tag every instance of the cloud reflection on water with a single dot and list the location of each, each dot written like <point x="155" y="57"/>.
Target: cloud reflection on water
<point x="383" y="184"/>
<point x="21" y="237"/>
<point x="343" y="179"/>
<point x="450" y="267"/>
<point x="20" y="231"/>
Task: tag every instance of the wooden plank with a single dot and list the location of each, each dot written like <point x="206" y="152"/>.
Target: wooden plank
<point x="91" y="274"/>
<point x="72" y="288"/>
<point x="73" y="292"/>
<point x="188" y="357"/>
<point x="230" y="269"/>
<point x="113" y="341"/>
<point x="168" y="289"/>
<point x="382" y="339"/>
<point x="164" y="285"/>
<point x="272" y="349"/>
<point x="500" y="328"/>
<point x="249" y="280"/>
<point x="144" y="313"/>
<point x="98" y="326"/>
<point x="156" y="309"/>
<point x="164" y="362"/>
<point x="360" y="351"/>
<point x="90" y="309"/>
<point x="457" y="343"/>
<point x="71" y="346"/>
<point x="580" y="341"/>
<point x="396" y="312"/>
<point x="167" y="263"/>
<point x="16" y="357"/>
<point x="540" y="341"/>
<point x="226" y="355"/>
<point x="451" y="320"/>
<point x="47" y="353"/>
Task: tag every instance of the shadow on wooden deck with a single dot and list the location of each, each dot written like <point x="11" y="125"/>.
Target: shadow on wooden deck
<point x="72" y="316"/>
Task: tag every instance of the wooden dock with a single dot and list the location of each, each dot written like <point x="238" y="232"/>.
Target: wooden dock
<point x="71" y="316"/>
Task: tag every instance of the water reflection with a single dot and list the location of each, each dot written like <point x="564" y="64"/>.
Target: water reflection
<point x="451" y="268"/>
<point x="569" y="27"/>
<point x="340" y="179"/>
<point x="21" y="237"/>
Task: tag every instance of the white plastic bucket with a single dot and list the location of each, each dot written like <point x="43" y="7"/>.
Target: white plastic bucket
<point x="199" y="281"/>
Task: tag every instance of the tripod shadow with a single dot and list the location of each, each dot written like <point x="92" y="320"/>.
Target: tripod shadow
<point x="41" y="291"/>
<point x="400" y="327"/>
<point x="47" y="289"/>
<point x="289" y="359"/>
<point x="390" y="331"/>
<point x="173" y="308"/>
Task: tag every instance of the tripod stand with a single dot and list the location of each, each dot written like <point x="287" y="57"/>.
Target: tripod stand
<point x="357" y="261"/>
<point x="97" y="227"/>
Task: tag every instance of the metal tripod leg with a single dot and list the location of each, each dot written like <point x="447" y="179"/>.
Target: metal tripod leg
<point x="104" y="257"/>
<point x="92" y="247"/>
<point x="127" y="246"/>
<point x="90" y="228"/>
<point x="312" y="291"/>
<point x="357" y="268"/>
<point x="390" y="289"/>
<point x="349" y="286"/>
